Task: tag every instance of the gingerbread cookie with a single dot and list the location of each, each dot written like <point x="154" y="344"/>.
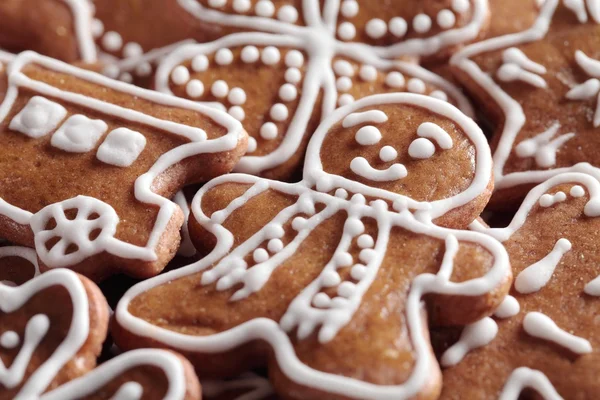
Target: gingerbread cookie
<point x="539" y="88"/>
<point x="544" y="337"/>
<point x="246" y="387"/>
<point x="17" y="265"/>
<point x="5" y="59"/>
<point x="98" y="156"/>
<point x="331" y="272"/>
<point x="52" y="328"/>
<point x="57" y="28"/>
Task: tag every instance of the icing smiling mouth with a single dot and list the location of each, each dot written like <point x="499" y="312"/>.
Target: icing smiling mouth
<point x="360" y="166"/>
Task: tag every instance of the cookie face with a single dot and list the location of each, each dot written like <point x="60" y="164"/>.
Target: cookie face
<point x="539" y="88"/>
<point x="58" y="28"/>
<point x="346" y="303"/>
<point x="544" y="336"/>
<point x="75" y="128"/>
<point x="17" y="265"/>
<point x="145" y="373"/>
<point x="53" y="327"/>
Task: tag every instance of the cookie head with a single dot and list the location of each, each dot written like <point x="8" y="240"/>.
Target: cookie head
<point x="413" y="151"/>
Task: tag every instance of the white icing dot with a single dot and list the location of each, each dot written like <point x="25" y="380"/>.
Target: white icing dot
<point x="388" y="153"/>
<point x="438" y="94"/>
<point x="344" y="84"/>
<point x="577" y="191"/>
<point x="346" y="31"/>
<point x="268" y="131"/>
<point x="298" y="223"/>
<point x="349" y="8"/>
<point x="288" y="14"/>
<point x="422" y="23"/>
<point x="97" y="28"/>
<point x="194" y="88"/>
<point x="126" y="77"/>
<point x="415" y="85"/>
<point x="275" y="245"/>
<point x="274" y="231"/>
<point x="279" y="112"/>
<point x="341" y="193"/>
<point x="132" y="50"/>
<point x="446" y="19"/>
<point x="219" y="89"/>
<point x="460" y="6"/>
<point x="9" y="340"/>
<point x="252" y="145"/>
<point x="358" y="199"/>
<point x="345" y="99"/>
<point x="112" y="71"/>
<point x="365" y="241"/>
<point x="237" y="96"/>
<point x="343" y="68"/>
<point x="343" y="259"/>
<point x="368" y="135"/>
<point x="321" y="300"/>
<point x="421" y="149"/>
<point x="270" y="55"/>
<point x="293" y="75"/>
<point x="264" y="8"/>
<point x="395" y="80"/>
<point x="358" y="272"/>
<point x="346" y="289"/>
<point x="144" y="69"/>
<point x="260" y="255"/>
<point x="217" y="3"/>
<point x="368" y="73"/>
<point x="398" y="26"/>
<point x="330" y="278"/>
<point x="121" y="148"/>
<point x="288" y="92"/>
<point x="112" y="41"/>
<point x="223" y="57"/>
<point x="241" y="6"/>
<point x="376" y="28"/>
<point x="294" y="59"/>
<point x="250" y="54"/>
<point x="200" y="63"/>
<point x="237" y="112"/>
<point x="180" y="75"/>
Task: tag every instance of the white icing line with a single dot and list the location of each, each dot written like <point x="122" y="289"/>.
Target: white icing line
<point x="541" y="326"/>
<point x="473" y="336"/>
<point x="20" y="252"/>
<point x="536" y="276"/>
<point x="82" y="19"/>
<point x="509" y="308"/>
<point x="359" y="118"/>
<point x="522" y="378"/>
<point x="186" y="249"/>
<point x="361" y="167"/>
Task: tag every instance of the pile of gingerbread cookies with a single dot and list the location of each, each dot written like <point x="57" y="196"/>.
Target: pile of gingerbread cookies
<point x="300" y="199"/>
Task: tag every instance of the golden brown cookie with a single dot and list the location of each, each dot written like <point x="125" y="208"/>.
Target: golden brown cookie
<point x="544" y="337"/>
<point x="539" y="89"/>
<point x="245" y="387"/>
<point x="51" y="331"/>
<point x="57" y="28"/>
<point x="97" y="157"/>
<point x="330" y="273"/>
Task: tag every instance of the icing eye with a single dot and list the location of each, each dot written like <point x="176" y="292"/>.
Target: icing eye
<point x="387" y="154"/>
<point x="421" y="149"/>
<point x="368" y="135"/>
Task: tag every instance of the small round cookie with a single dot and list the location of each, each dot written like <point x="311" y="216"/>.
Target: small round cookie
<point x="101" y="159"/>
<point x="331" y="272"/>
<point x="539" y="88"/>
<point x="544" y="337"/>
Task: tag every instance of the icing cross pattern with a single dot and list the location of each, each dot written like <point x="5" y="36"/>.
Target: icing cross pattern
<point x="317" y="64"/>
<point x="368" y="229"/>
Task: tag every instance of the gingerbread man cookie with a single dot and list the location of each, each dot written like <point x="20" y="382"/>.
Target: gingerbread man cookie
<point x="539" y="87"/>
<point x="98" y="156"/>
<point x="57" y="28"/>
<point x="331" y="272"/>
<point x="545" y="336"/>
<point x="17" y="265"/>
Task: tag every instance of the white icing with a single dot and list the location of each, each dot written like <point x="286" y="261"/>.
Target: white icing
<point x="430" y="130"/>
<point x="541" y="326"/>
<point x="78" y="134"/>
<point x="398" y="26"/>
<point x="387" y="154"/>
<point x="121" y="147"/>
<point x="509" y="308"/>
<point x="112" y="41"/>
<point x="186" y="249"/>
<point x="536" y="276"/>
<point x="422" y="23"/>
<point x="361" y="167"/>
<point x="421" y="149"/>
<point x="510" y="72"/>
<point x="368" y="135"/>
<point x="219" y="89"/>
<point x="270" y="55"/>
<point x="279" y="112"/>
<point x="577" y="191"/>
<point x="237" y="96"/>
<point x="544" y="146"/>
<point x="38" y="118"/>
<point x="368" y="73"/>
<point x="591" y="87"/>
<point x="516" y="56"/>
<point x="446" y="19"/>
<point x="180" y="75"/>
<point x="376" y="28"/>
<point x="20" y="252"/>
<point x="372" y="116"/>
<point x="473" y="336"/>
<point x="592" y="288"/>
<point x="133" y="49"/>
<point x="194" y="88"/>
<point x="269" y="131"/>
<point x="223" y="57"/>
<point x="522" y="378"/>
<point x="395" y="80"/>
<point x="548" y="200"/>
<point x="10" y="340"/>
<point x="416" y="85"/>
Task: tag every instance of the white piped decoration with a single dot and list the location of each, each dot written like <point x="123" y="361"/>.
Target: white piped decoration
<point x="9" y="340"/>
<point x="270" y="55"/>
<point x="388" y="154"/>
<point x="237" y="112"/>
<point x="38" y="118"/>
<point x="293" y="75"/>
<point x="349" y="8"/>
<point x="224" y="57"/>
<point x="242" y="6"/>
<point x="294" y="59"/>
<point x="523" y="378"/>
<point x="541" y="326"/>
<point x="288" y="92"/>
<point x="395" y="80"/>
<point x="577" y="191"/>
<point x="180" y="75"/>
<point x="219" y="89"/>
<point x="421" y="149"/>
<point x="376" y="28"/>
<point x="591" y="87"/>
<point x="446" y="19"/>
<point x="237" y="96"/>
<point x="346" y="31"/>
<point x="122" y="147"/>
<point x="279" y="112"/>
<point x="343" y="68"/>
<point x="461" y="6"/>
<point x="433" y="131"/>
<point x="288" y="13"/>
<point x="368" y="73"/>
<point x="548" y="200"/>
<point x="112" y="41"/>
<point x="509" y="308"/>
<point x="544" y="146"/>
<point x="79" y="134"/>
<point x="593" y="287"/>
<point x="517" y="67"/>
<point x="422" y="23"/>
<point x="268" y="131"/>
<point x="416" y="85"/>
<point x="398" y="27"/>
<point x="536" y="276"/>
<point x="264" y="8"/>
<point x="194" y="88"/>
<point x="250" y="54"/>
<point x="343" y="84"/>
<point x="368" y="135"/>
<point x="200" y="63"/>
<point x="473" y="336"/>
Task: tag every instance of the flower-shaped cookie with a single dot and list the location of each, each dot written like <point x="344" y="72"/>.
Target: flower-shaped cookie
<point x="540" y="89"/>
<point x="333" y="272"/>
<point x="57" y="28"/>
<point x="545" y="336"/>
<point x="98" y="156"/>
<point x="51" y="331"/>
